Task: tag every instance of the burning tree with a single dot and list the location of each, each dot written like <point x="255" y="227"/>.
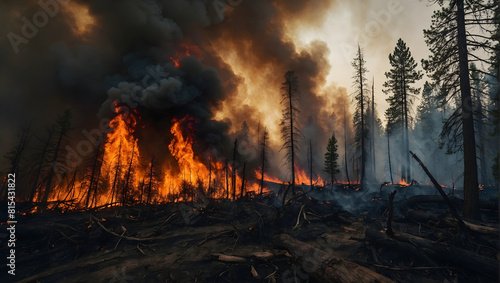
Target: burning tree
<point x="399" y="80"/>
<point x="289" y="131"/>
<point x="93" y="175"/>
<point x="153" y="182"/>
<point x="331" y="156"/>
<point x="264" y="143"/>
<point x="63" y="126"/>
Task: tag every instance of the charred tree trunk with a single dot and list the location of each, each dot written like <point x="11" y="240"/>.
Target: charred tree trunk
<point x="263" y="162"/>
<point x="209" y="176"/>
<point x="345" y="150"/>
<point x="372" y="132"/>
<point x="39" y="169"/>
<point x="48" y="186"/>
<point x="91" y="181"/>
<point x="150" y="186"/>
<point x="243" y="181"/>
<point x="292" y="139"/>
<point x="96" y="186"/>
<point x="227" y="180"/>
<point x="389" y="156"/>
<point x="234" y="169"/>
<point x="471" y="193"/>
<point x="406" y="140"/>
<point x="258" y="133"/>
<point x="141" y="186"/>
<point x="311" y="165"/>
<point x="403" y="132"/>
<point x="71" y="185"/>
<point x="127" y="180"/>
<point x="117" y="171"/>
<point x="363" y="151"/>
<point x="390" y="213"/>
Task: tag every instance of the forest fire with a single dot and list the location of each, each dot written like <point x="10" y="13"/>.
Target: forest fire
<point x="250" y="141"/>
<point x="119" y="175"/>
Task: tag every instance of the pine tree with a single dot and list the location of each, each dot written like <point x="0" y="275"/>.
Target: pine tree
<point x="458" y="29"/>
<point x="345" y="150"/>
<point x="360" y="117"/>
<point x="331" y="156"/>
<point x="372" y="133"/>
<point x="289" y="130"/>
<point x="402" y="75"/>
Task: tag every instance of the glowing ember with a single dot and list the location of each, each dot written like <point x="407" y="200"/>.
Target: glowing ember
<point x="403" y="183"/>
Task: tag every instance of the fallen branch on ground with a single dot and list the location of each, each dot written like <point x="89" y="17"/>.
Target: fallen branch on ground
<point x="453" y="211"/>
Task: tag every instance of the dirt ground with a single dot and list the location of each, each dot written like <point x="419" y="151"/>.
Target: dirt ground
<point x="242" y="241"/>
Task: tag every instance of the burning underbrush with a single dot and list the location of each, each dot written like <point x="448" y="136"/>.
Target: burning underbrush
<point x="327" y="234"/>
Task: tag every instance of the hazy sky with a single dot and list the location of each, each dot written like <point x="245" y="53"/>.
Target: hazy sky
<point x="376" y="25"/>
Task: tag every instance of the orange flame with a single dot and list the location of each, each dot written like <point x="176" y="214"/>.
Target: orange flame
<point x="122" y="173"/>
<point x="188" y="50"/>
<point x="301" y="177"/>
<point x="402" y="182"/>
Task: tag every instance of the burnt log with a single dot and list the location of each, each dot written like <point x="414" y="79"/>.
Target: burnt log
<point x="382" y="240"/>
<point x="441" y="220"/>
<point x="453" y="255"/>
<point x="481" y="229"/>
<point x="425" y="216"/>
<point x="390" y="214"/>
<point x="453" y="210"/>
<point x="326" y="267"/>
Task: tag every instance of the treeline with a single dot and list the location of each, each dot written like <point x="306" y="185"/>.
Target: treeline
<point x="457" y="119"/>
